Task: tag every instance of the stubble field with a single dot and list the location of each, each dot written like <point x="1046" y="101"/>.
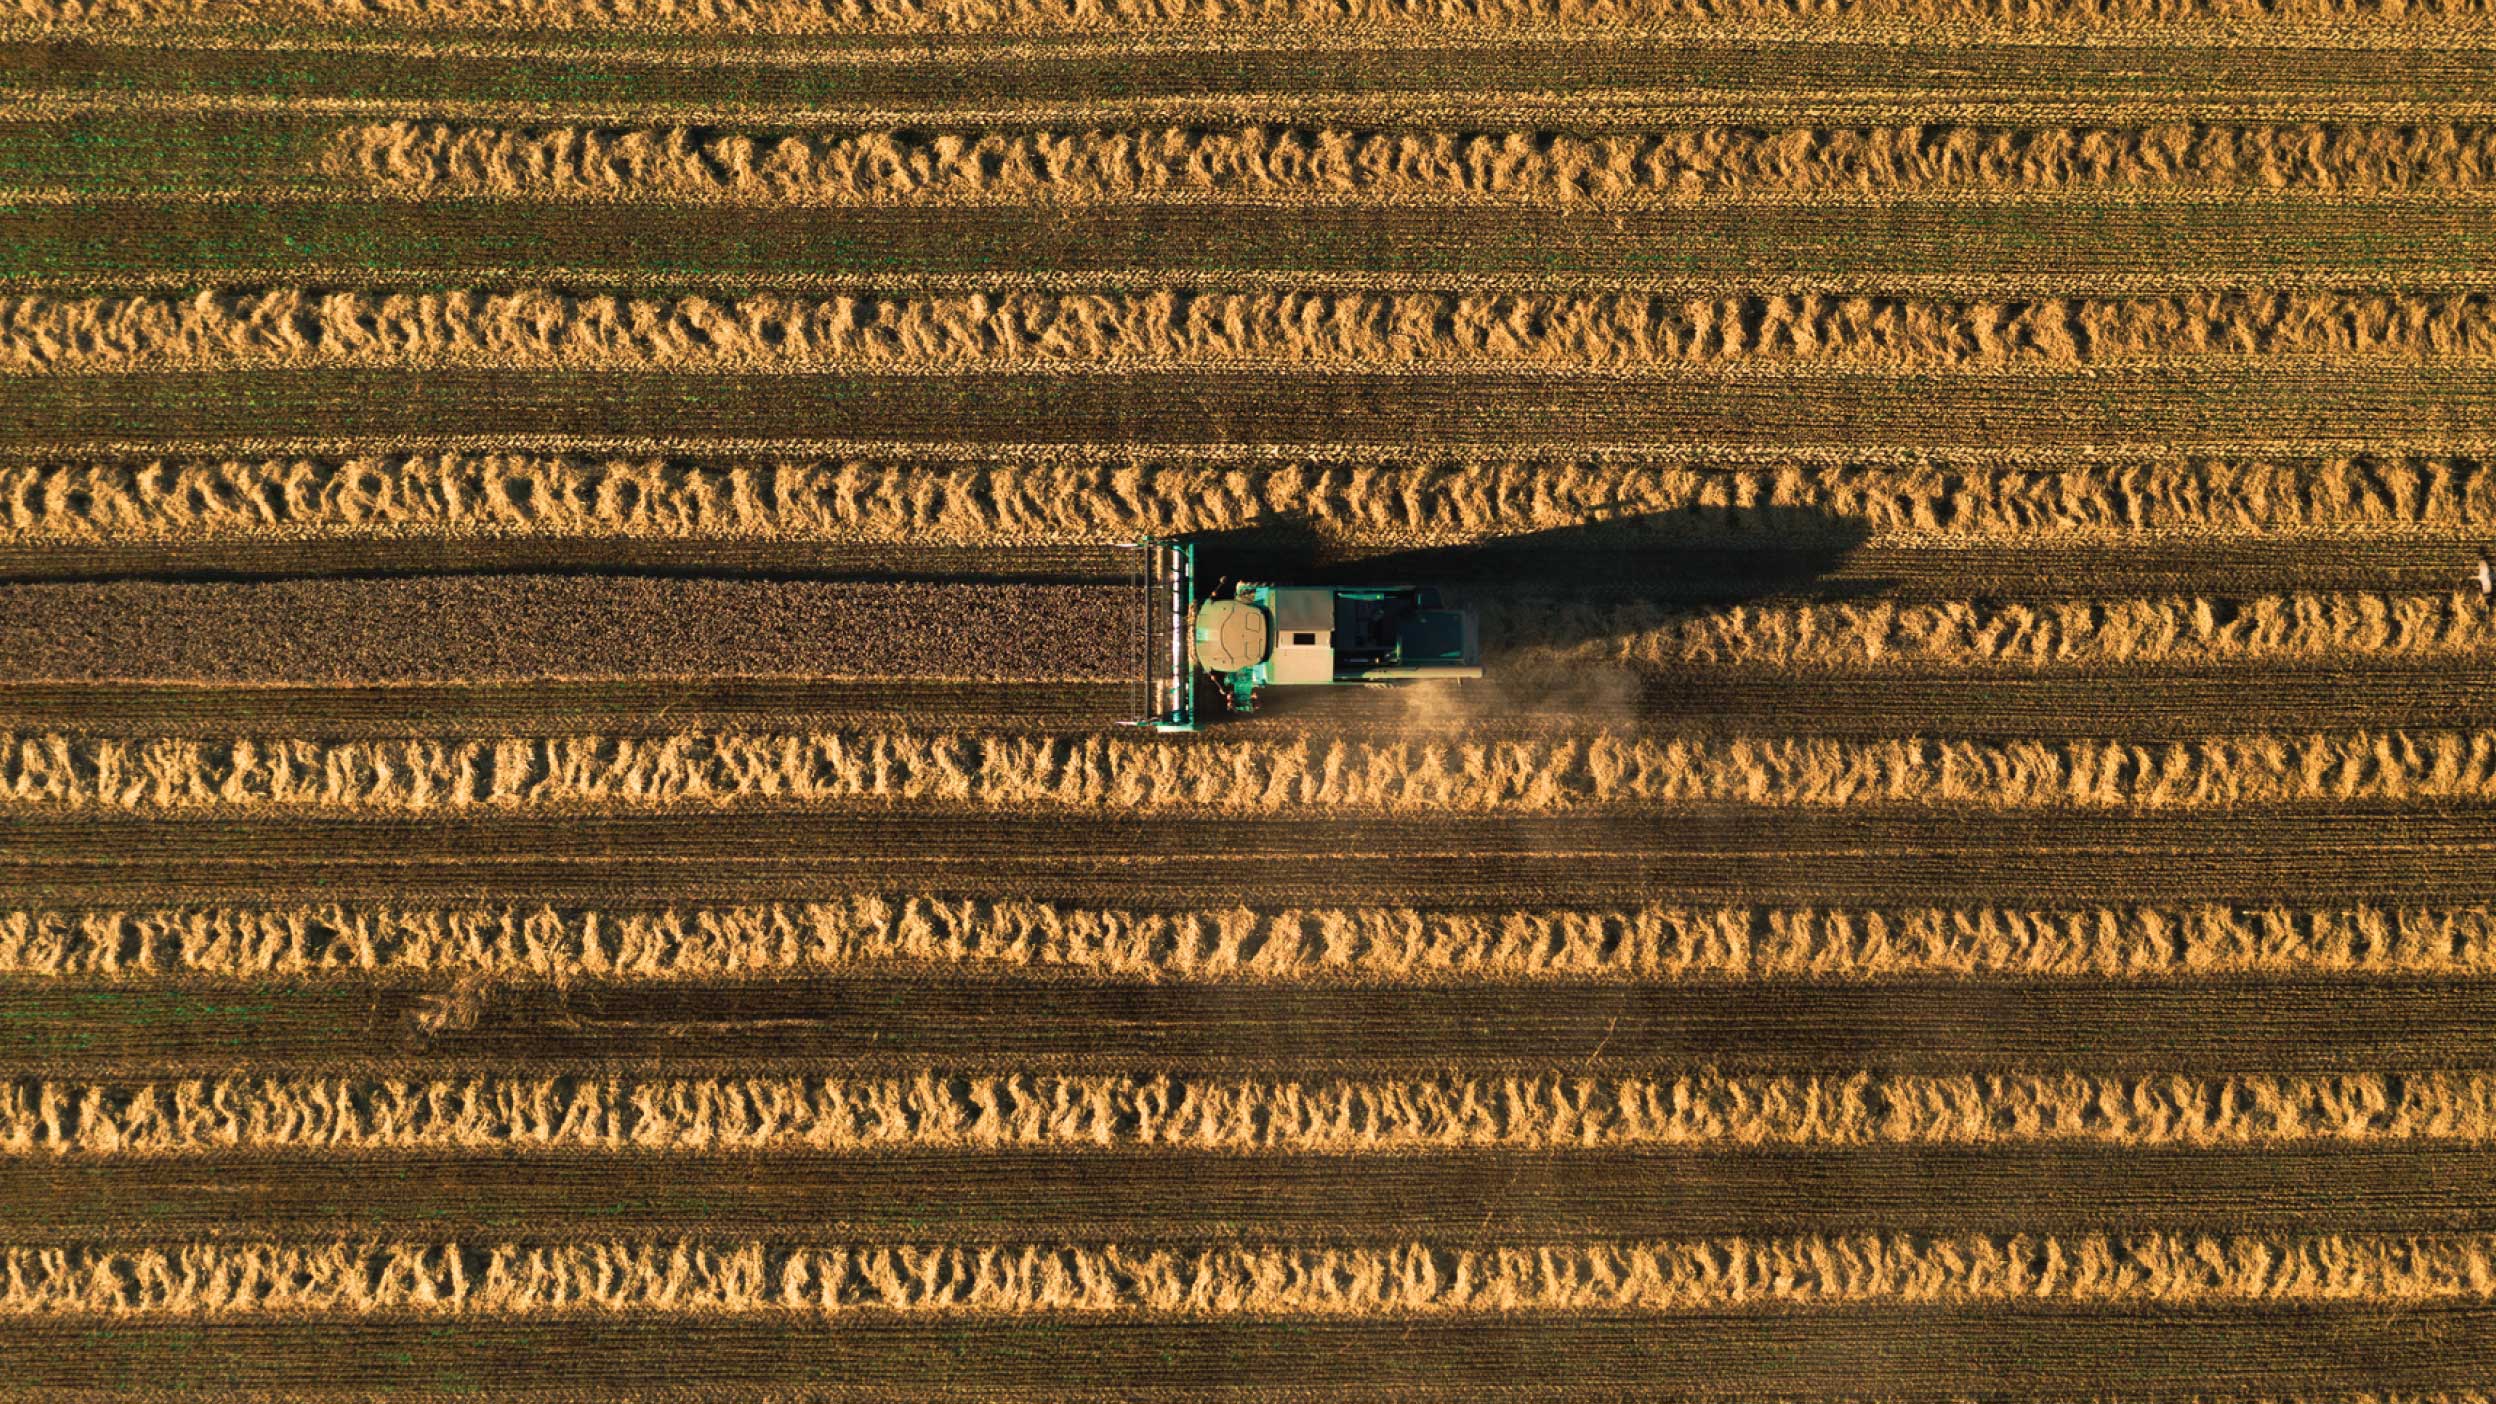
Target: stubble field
<point x="565" y="828"/>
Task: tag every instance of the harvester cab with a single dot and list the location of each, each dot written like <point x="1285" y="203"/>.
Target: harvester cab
<point x="1257" y="636"/>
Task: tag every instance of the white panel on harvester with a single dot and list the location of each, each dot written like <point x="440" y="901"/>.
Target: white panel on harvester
<point x="1304" y="637"/>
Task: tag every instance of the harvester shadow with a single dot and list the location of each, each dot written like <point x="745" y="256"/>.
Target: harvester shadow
<point x="1587" y="583"/>
<point x="1694" y="557"/>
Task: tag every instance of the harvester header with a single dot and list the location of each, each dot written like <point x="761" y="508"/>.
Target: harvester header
<point x="1257" y="636"/>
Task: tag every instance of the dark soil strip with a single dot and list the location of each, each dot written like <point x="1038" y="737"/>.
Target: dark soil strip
<point x="883" y="1024"/>
<point x="2211" y="869"/>
<point x="1795" y="554"/>
<point x="513" y="628"/>
<point x="1183" y="1197"/>
<point x="1920" y="1352"/>
<point x="2125" y="704"/>
<point x="2112" y="410"/>
<point x="1735" y="855"/>
<point x="1139" y="862"/>
<point x="619" y="708"/>
<point x="2166" y="704"/>
<point x="815" y="73"/>
<point x="659" y="245"/>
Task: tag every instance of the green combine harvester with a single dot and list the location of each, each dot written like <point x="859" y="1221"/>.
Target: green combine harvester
<point x="1259" y="636"/>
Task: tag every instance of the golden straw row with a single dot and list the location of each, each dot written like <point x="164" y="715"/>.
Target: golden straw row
<point x="698" y="1278"/>
<point x="1531" y="167"/>
<point x="2433" y="19"/>
<point x="2168" y="630"/>
<point x="1561" y="331"/>
<point x="1101" y="772"/>
<point x="1392" y="503"/>
<point x="1658" y="944"/>
<point x="241" y="1115"/>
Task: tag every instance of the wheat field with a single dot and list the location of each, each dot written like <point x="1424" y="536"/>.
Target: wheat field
<point x="567" y="609"/>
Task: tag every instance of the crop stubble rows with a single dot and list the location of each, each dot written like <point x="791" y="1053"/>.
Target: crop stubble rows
<point x="714" y="1280"/>
<point x="1522" y="166"/>
<point x="866" y="932"/>
<point x="397" y="1117"/>
<point x="1594" y="773"/>
<point x="1046" y="499"/>
<point x="1566" y="332"/>
<point x="1780" y="521"/>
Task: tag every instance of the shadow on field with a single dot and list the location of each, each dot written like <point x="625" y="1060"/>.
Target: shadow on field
<point x="1570" y="586"/>
<point x="1712" y="557"/>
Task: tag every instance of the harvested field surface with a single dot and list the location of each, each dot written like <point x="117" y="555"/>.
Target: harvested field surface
<point x="504" y="628"/>
<point x="571" y="589"/>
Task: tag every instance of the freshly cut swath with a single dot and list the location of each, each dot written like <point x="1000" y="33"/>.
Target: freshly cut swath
<point x="1656" y="944"/>
<point x="1547" y="1112"/>
<point x="708" y="770"/>
<point x="698" y="1278"/>
<point x="1038" y="500"/>
<point x="2170" y="630"/>
<point x="1337" y="164"/>
<point x="550" y="328"/>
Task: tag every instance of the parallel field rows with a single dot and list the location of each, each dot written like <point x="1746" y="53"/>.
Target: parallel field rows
<point x="565" y="619"/>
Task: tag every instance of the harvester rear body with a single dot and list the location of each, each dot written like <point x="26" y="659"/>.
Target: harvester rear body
<point x="1258" y="636"/>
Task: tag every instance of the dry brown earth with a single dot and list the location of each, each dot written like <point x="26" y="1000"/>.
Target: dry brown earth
<point x="516" y="628"/>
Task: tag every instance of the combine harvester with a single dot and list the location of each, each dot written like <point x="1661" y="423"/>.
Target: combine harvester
<point x="1258" y="636"/>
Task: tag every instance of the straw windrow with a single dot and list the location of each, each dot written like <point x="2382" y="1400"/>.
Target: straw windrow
<point x="715" y="770"/>
<point x="1641" y="944"/>
<point x="546" y="328"/>
<point x="1548" y="1112"/>
<point x="1326" y="163"/>
<point x="1033" y="501"/>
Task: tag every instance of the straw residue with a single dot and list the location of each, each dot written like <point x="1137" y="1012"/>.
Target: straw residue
<point x="1647" y="944"/>
<point x="1123" y="773"/>
<point x="1623" y="331"/>
<point x="2170" y="631"/>
<point x="807" y="168"/>
<point x="1035" y="501"/>
<point x="695" y="1278"/>
<point x="1039" y="1111"/>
